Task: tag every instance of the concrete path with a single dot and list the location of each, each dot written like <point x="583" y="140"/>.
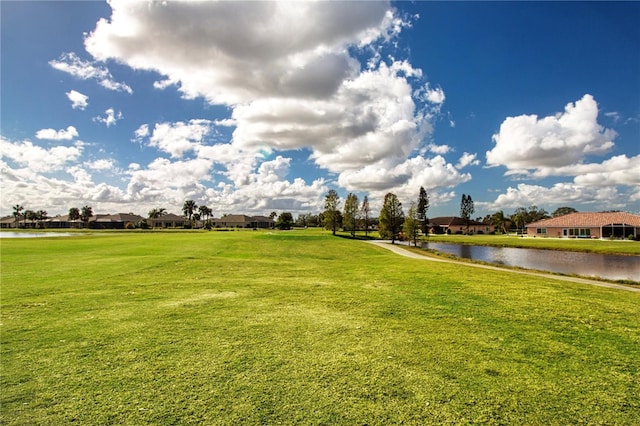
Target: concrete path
<point x="398" y="249"/>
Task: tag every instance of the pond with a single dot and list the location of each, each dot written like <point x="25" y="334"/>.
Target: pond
<point x="608" y="266"/>
<point x="12" y="234"/>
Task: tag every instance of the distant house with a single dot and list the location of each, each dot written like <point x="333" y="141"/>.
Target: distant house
<point x="114" y="221"/>
<point x="587" y="225"/>
<point x="9" y="222"/>
<point x="63" y="222"/>
<point x="243" y="221"/>
<point x="168" y="220"/>
<point x="457" y="225"/>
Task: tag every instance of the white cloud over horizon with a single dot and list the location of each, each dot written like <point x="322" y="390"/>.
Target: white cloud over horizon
<point x="289" y="86"/>
<point x="557" y="146"/>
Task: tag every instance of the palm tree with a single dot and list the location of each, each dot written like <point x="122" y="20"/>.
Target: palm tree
<point x="157" y="212"/>
<point x="188" y="208"/>
<point x="498" y="220"/>
<point x="205" y="212"/>
<point x="41" y="215"/>
<point x="17" y="210"/>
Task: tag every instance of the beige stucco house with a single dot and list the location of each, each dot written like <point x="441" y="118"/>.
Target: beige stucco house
<point x="587" y="225"/>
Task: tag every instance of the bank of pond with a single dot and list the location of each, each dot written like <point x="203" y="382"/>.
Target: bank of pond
<point x="596" y="265"/>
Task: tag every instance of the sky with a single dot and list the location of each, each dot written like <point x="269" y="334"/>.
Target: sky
<point x="254" y="107"/>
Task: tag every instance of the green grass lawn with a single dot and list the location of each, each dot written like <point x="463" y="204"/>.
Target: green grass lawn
<point x="301" y="328"/>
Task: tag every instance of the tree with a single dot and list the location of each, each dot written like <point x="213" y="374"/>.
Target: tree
<point x="522" y="216"/>
<point x="412" y="224"/>
<point x="350" y="216"/>
<point x="391" y="217"/>
<point x="273" y="215"/>
<point x="561" y="211"/>
<point x="41" y="215"/>
<point x="85" y="215"/>
<point x="519" y="218"/>
<point x="17" y="212"/>
<point x="466" y="209"/>
<point x="30" y="215"/>
<point x="74" y="214"/>
<point x="364" y="212"/>
<point x="421" y="211"/>
<point x="205" y="212"/>
<point x="285" y="221"/>
<point x="498" y="220"/>
<point x="188" y="208"/>
<point x="332" y="215"/>
<point x="157" y="212"/>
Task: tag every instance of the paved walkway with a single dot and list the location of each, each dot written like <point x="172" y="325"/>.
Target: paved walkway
<point x="398" y="249"/>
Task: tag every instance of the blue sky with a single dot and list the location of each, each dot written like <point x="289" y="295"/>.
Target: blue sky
<point x="251" y="107"/>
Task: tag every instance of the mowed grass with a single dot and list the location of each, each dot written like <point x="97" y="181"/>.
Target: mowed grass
<point x="301" y="328"/>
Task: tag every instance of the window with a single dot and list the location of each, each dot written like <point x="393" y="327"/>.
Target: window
<point x="579" y="232"/>
<point x="541" y="231"/>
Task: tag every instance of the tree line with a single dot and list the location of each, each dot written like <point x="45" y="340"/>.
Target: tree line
<point x="353" y="216"/>
<point x="390" y="222"/>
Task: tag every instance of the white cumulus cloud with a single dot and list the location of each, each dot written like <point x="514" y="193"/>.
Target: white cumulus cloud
<point x="291" y="81"/>
<point x="78" y="100"/>
<point x="58" y="135"/>
<point x="527" y="142"/>
<point x="39" y="159"/>
<point x="110" y="117"/>
<point x="85" y="70"/>
<point x="238" y="51"/>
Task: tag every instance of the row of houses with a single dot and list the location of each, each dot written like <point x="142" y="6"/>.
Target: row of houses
<point x="125" y="220"/>
<point x="573" y="225"/>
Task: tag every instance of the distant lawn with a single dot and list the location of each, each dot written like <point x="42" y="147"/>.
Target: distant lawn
<point x="301" y="327"/>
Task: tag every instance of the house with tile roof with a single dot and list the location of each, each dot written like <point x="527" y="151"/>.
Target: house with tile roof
<point x="243" y="221"/>
<point x="457" y="225"/>
<point x="168" y="220"/>
<point x="587" y="225"/>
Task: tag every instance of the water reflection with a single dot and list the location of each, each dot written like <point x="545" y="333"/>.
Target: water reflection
<point x="11" y="234"/>
<point x="607" y="266"/>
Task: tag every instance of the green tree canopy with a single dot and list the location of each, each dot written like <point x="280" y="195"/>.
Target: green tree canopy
<point x="17" y="212"/>
<point x="421" y="210"/>
<point x="466" y="209"/>
<point x="561" y="211"/>
<point x="365" y="210"/>
<point x="499" y="220"/>
<point x="523" y="216"/>
<point x="350" y="216"/>
<point x="157" y="212"/>
<point x="188" y="208"/>
<point x="332" y="216"/>
<point x="85" y="214"/>
<point x="285" y="221"/>
<point x="412" y="224"/>
<point x="391" y="218"/>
